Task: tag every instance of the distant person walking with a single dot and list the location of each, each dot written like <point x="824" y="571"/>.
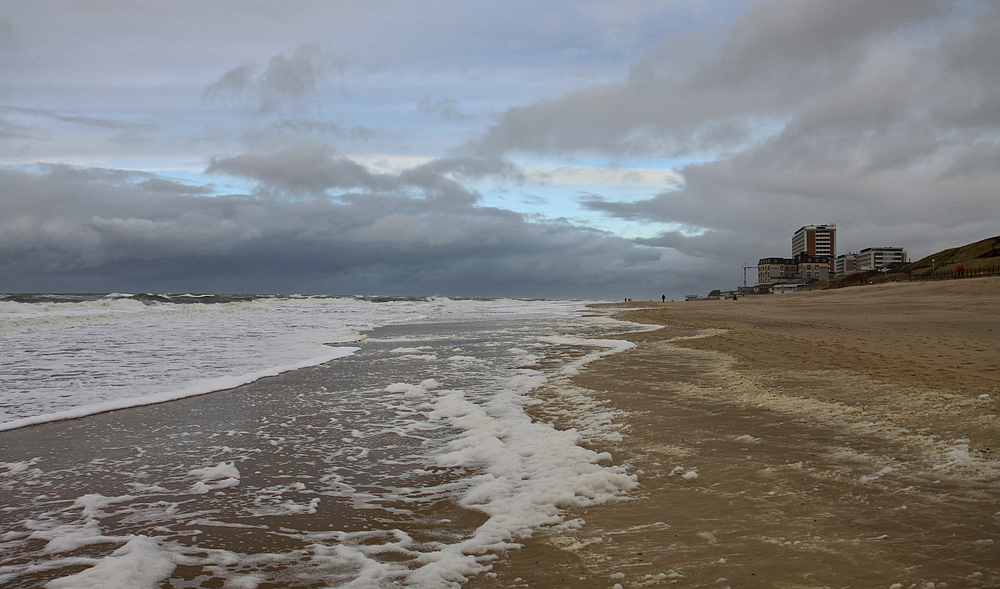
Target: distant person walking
<point x="664" y="297"/>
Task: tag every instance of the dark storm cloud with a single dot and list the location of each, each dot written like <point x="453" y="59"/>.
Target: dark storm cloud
<point x="108" y="228"/>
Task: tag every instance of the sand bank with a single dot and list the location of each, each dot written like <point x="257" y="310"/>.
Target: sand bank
<point x="843" y="438"/>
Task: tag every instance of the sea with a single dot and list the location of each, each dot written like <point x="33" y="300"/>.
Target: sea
<point x="181" y="440"/>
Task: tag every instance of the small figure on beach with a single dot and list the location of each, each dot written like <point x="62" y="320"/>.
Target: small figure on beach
<point x="664" y="297"/>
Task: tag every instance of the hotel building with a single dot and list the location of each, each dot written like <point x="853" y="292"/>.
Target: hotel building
<point x="775" y="270"/>
<point x="813" y="250"/>
<point x="815" y="240"/>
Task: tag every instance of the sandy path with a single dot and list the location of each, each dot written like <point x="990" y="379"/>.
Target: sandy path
<point x="834" y="439"/>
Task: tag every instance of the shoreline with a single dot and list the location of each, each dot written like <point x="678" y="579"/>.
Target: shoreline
<point x="831" y="438"/>
<point x="763" y="459"/>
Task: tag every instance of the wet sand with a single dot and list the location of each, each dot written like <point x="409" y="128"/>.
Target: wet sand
<point x="843" y="438"/>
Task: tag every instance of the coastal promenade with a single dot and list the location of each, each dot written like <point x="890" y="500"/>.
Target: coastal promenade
<point x="846" y="438"/>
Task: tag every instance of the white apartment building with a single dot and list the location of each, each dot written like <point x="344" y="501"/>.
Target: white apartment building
<point x="845" y="264"/>
<point x="875" y="258"/>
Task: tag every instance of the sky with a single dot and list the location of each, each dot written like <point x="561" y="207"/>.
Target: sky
<point x="544" y="148"/>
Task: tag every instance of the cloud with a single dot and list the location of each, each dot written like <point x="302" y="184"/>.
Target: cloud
<point x="311" y="169"/>
<point x="285" y="81"/>
<point x="237" y="80"/>
<point x="803" y="66"/>
<point x="299" y="127"/>
<point x="29" y="126"/>
<point x="445" y="108"/>
<point x="474" y="167"/>
<point x="725" y="125"/>
<point x="164" y="186"/>
<point x="318" y="170"/>
<point x="109" y="229"/>
<point x="865" y="114"/>
<point x="79" y="120"/>
<point x="8" y="40"/>
<point x="12" y="130"/>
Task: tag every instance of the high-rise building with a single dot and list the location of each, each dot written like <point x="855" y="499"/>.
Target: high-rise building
<point x="815" y="240"/>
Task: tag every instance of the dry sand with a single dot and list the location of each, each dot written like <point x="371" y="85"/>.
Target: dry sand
<point x="843" y="438"/>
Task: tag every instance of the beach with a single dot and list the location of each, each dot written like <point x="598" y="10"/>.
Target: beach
<point x="846" y="438"/>
<point x="832" y="439"/>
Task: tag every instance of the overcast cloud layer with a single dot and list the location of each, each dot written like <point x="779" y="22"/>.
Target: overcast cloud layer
<point x="554" y="148"/>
